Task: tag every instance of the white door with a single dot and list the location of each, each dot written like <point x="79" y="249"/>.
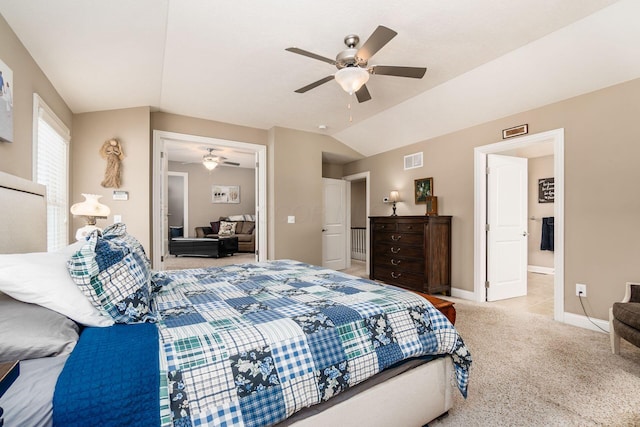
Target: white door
<point x="334" y="229"/>
<point x="507" y="231"/>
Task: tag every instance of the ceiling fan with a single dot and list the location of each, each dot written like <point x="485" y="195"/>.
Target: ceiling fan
<point x="353" y="72"/>
<point x="210" y="161"/>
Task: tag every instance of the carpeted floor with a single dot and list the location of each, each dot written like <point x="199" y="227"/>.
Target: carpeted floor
<point x="532" y="371"/>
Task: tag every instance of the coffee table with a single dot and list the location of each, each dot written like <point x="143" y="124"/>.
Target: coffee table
<point x="225" y="246"/>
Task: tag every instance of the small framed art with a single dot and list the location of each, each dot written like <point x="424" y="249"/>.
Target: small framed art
<point x="225" y="194"/>
<point x="423" y="188"/>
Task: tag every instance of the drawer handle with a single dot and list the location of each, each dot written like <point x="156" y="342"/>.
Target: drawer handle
<point x="396" y="261"/>
<point x="395" y="250"/>
<point x="396" y="238"/>
<point x="395" y="275"/>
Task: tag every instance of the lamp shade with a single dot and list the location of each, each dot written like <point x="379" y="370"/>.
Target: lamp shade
<point x="351" y="79"/>
<point x="210" y="164"/>
<point x="394" y="196"/>
<point x="91" y="207"/>
<point x="210" y="161"/>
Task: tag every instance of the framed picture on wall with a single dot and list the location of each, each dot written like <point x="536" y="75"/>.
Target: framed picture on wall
<point x="225" y="194"/>
<point x="546" y="190"/>
<point x="423" y="188"/>
<point x="6" y="103"/>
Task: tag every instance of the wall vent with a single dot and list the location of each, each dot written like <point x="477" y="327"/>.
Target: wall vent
<point x="413" y="161"/>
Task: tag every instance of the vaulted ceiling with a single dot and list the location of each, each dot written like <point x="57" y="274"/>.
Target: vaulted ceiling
<point x="226" y="60"/>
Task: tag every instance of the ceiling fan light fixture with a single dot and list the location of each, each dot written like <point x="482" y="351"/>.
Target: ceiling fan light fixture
<point x="209" y="162"/>
<point x="351" y="79"/>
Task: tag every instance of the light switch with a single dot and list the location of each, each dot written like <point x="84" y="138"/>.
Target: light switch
<point x="117" y="219"/>
<point x="291" y="219"/>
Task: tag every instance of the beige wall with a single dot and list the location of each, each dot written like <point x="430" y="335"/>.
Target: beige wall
<point x="539" y="167"/>
<point x="15" y="157"/>
<point x="201" y="210"/>
<point x="602" y="206"/>
<point x="296" y="189"/>
<point x="193" y="126"/>
<point x="131" y="127"/>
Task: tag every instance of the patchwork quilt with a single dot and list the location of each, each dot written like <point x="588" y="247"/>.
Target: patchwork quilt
<point x="249" y="345"/>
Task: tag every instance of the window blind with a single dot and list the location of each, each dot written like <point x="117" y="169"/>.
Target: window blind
<point x="51" y="140"/>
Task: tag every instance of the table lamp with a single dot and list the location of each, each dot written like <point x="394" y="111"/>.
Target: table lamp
<point x="394" y="197"/>
<point x="91" y="209"/>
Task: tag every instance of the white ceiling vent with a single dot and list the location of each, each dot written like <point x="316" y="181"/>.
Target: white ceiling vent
<point x="413" y="161"/>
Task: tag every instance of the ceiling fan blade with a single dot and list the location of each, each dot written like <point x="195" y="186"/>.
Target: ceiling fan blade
<point x="231" y="163"/>
<point x="310" y="55"/>
<point x="388" y="70"/>
<point x="380" y="37"/>
<point x="314" y="84"/>
<point x="363" y="94"/>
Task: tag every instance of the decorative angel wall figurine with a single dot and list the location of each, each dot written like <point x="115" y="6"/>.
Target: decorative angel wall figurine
<point x="112" y="151"/>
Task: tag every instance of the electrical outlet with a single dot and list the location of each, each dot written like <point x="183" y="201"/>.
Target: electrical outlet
<point x="581" y="290"/>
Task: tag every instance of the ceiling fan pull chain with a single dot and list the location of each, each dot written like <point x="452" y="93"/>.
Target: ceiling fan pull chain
<point x="350" y="115"/>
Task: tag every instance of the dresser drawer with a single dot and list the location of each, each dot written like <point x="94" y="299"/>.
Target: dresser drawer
<point x="410" y="227"/>
<point x="413" y="265"/>
<point x="401" y="278"/>
<point x="404" y="251"/>
<point x="399" y="238"/>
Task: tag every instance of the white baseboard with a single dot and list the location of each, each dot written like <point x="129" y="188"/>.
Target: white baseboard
<point x="583" y="322"/>
<point x="463" y="294"/>
<point x="541" y="270"/>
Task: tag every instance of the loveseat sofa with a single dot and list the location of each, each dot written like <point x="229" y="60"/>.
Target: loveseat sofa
<point x="245" y="231"/>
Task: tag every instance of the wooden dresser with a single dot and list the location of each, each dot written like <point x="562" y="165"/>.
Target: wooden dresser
<point x="413" y="252"/>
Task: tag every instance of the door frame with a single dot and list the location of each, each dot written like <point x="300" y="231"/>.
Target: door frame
<point x="480" y="211"/>
<point x="185" y="200"/>
<point x="367" y="178"/>
<point x="261" y="189"/>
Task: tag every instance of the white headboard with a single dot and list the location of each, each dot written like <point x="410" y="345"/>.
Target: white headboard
<point x="23" y="215"/>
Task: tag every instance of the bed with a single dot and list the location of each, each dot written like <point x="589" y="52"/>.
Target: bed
<point x="276" y="343"/>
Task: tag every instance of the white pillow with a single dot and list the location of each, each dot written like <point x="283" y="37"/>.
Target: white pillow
<point x="227" y="228"/>
<point x="42" y="278"/>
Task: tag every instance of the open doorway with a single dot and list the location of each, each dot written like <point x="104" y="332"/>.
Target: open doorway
<point x="359" y="202"/>
<point x="525" y="146"/>
<point x="160" y="230"/>
<point x="178" y="204"/>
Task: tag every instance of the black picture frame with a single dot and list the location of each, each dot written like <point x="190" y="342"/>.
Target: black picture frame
<point x="546" y="190"/>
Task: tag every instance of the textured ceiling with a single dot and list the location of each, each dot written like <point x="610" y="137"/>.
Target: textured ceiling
<point x="226" y="60"/>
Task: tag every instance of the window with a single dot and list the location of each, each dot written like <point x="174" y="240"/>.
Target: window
<point x="51" y="160"/>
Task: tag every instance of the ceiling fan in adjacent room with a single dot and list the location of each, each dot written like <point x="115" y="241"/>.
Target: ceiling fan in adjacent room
<point x="352" y="63"/>
<point x="210" y="161"/>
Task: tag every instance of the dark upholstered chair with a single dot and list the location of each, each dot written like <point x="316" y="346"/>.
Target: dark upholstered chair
<point x="624" y="318"/>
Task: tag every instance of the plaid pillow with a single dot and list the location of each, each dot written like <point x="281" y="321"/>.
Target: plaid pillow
<point x="114" y="272"/>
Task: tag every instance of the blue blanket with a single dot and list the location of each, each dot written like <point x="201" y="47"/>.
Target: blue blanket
<point x="112" y="377"/>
